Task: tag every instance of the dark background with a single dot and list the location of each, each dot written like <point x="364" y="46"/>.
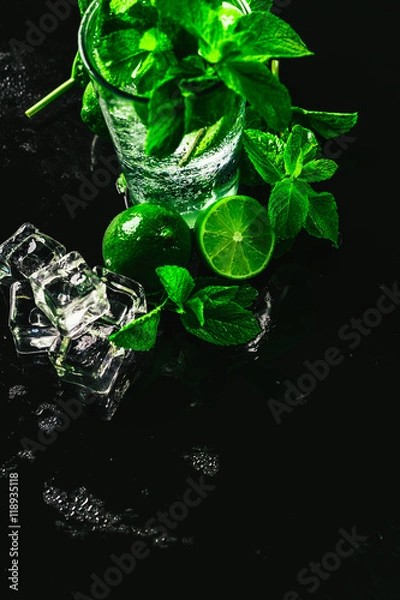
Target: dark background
<point x="282" y="492"/>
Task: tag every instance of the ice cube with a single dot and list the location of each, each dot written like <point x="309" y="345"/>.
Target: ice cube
<point x="31" y="330"/>
<point x="126" y="297"/>
<point x="90" y="360"/>
<point x="25" y="252"/>
<point x="70" y="294"/>
<point x="102" y="371"/>
<point x="104" y="406"/>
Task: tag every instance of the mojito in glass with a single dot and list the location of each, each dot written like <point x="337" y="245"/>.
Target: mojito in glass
<point x="203" y="165"/>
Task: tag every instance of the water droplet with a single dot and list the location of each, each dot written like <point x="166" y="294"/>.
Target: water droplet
<point x="204" y="460"/>
<point x="16" y="391"/>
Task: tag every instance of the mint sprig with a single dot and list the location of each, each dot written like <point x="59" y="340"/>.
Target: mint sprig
<point x="215" y="313"/>
<point x="290" y="165"/>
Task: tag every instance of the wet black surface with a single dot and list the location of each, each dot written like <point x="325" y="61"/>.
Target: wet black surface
<point x="277" y="495"/>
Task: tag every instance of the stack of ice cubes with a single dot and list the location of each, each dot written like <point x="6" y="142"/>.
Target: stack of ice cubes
<point x="61" y="307"/>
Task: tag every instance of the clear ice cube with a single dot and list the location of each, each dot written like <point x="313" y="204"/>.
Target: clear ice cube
<point x="105" y="406"/>
<point x="25" y="252"/>
<point x="91" y="360"/>
<point x="31" y="330"/>
<point x="70" y="294"/>
<point x="126" y="297"/>
<point x="127" y="301"/>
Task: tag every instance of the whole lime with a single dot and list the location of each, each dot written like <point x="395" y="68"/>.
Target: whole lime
<point x="144" y="237"/>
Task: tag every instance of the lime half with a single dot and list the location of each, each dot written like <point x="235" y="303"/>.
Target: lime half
<point x="235" y="237"/>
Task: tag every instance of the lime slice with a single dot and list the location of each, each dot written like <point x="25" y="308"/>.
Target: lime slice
<point x="235" y="237"/>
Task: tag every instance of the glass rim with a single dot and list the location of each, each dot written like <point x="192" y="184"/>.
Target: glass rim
<point x="93" y="71"/>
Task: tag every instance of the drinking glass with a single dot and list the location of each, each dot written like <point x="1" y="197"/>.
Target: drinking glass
<point x="188" y="180"/>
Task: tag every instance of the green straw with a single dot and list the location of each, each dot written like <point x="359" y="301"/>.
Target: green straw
<point x="50" y="97"/>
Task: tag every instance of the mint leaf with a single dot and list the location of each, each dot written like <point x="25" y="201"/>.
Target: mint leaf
<point x="253" y="120"/>
<point x="229" y="16"/>
<point x="152" y="70"/>
<point x="184" y="43"/>
<point x="322" y="219"/>
<point x="196" y="16"/>
<point x="140" y="334"/>
<point x="119" y="6"/>
<point x="319" y="170"/>
<point x="107" y="21"/>
<point x="225" y="324"/>
<point x="264" y="151"/>
<point x="124" y="48"/>
<point x="271" y="37"/>
<point x="149" y="40"/>
<point x="311" y="148"/>
<point x="140" y="17"/>
<point x="245" y="295"/>
<point x="215" y="4"/>
<point x="211" y="38"/>
<point x="166" y="121"/>
<point x="192" y="67"/>
<point x="249" y="176"/>
<point x="154" y="39"/>
<point x="327" y="124"/>
<point x="196" y="305"/>
<point x="216" y="313"/>
<point x="261" y="4"/>
<point x="177" y="282"/>
<point x="255" y="82"/>
<point x="217" y="293"/>
<point x="206" y="103"/>
<point x="288" y="207"/>
<point x="301" y="147"/>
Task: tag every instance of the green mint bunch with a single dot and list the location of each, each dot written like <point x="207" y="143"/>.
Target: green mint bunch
<point x="290" y="163"/>
<point x="215" y="313"/>
<point x="193" y="59"/>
